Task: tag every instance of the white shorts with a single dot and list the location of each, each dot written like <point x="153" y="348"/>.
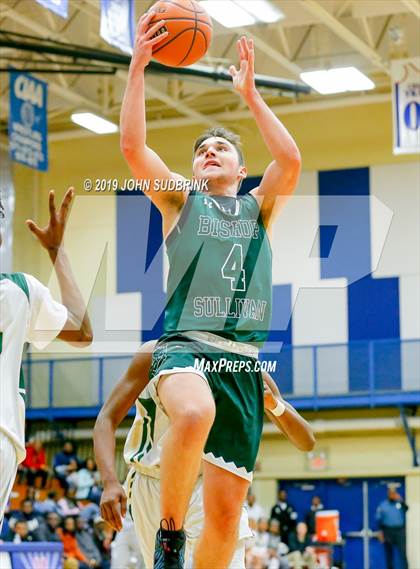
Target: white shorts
<point x="144" y="507"/>
<point x="8" y="469"/>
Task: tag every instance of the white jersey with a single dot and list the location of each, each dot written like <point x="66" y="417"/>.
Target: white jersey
<point x="28" y="313"/>
<point x="143" y="447"/>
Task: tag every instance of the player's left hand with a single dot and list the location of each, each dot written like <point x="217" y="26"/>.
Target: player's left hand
<point x="270" y="400"/>
<point x="51" y="236"/>
<point x="243" y="78"/>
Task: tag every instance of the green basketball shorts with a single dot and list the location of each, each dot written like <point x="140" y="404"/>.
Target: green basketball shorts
<point x="237" y="387"/>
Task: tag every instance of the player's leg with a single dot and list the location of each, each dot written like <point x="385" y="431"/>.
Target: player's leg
<point x="224" y="495"/>
<point x="193" y="525"/>
<point x="189" y="403"/>
<point x="8" y="462"/>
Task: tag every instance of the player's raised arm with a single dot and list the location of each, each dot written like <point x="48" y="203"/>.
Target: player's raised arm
<point x="144" y="163"/>
<point x="77" y="329"/>
<point x="293" y="425"/>
<point x="115" y="408"/>
<point x="281" y="176"/>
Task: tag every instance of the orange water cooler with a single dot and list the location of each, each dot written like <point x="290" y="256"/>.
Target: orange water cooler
<point x="327" y="528"/>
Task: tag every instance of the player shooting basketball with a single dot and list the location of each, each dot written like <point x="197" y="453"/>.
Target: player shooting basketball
<point x="219" y="307"/>
<point x="142" y="454"/>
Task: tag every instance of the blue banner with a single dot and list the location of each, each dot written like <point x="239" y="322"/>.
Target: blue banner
<point x="33" y="555"/>
<point x="28" y="120"/>
<point x="117" y="23"/>
<point x="59" y="7"/>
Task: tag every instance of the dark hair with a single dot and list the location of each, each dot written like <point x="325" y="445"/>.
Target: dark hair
<point x="65" y="520"/>
<point x="26" y="500"/>
<point x="221" y="132"/>
<point x="2" y="213"/>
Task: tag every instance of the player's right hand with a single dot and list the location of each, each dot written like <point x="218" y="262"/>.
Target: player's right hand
<point x="144" y="42"/>
<point x="113" y="505"/>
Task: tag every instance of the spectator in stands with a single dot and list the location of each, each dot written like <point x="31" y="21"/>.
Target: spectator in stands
<point x="86" y="543"/>
<point x="48" y="531"/>
<point x="67" y="505"/>
<point x="85" y="480"/>
<point x="301" y="551"/>
<point x="35" y="463"/>
<point x="25" y="514"/>
<point x="256" y="558"/>
<point x="274" y="538"/>
<point x="316" y="506"/>
<point x="276" y="559"/>
<point x="255" y="511"/>
<point x="71" y="549"/>
<point x="276" y="542"/>
<point x="43" y="507"/>
<point x="261" y="535"/>
<point x="390" y="516"/>
<point x="65" y="462"/>
<point x="103" y="535"/>
<point x="20" y="533"/>
<point x="285" y="514"/>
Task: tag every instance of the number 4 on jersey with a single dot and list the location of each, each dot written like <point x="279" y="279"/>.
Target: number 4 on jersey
<point x="233" y="269"/>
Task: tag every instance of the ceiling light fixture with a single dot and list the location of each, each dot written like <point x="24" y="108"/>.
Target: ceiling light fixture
<point x="337" y="80"/>
<point x="237" y="13"/>
<point x="94" y="123"/>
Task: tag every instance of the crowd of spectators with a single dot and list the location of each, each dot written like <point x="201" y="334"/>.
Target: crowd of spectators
<point x="61" y="504"/>
<point x="281" y="541"/>
<point x="68" y="514"/>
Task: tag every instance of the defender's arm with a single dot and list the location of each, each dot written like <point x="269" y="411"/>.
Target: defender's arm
<point x="293" y="425"/>
<point x="115" y="408"/>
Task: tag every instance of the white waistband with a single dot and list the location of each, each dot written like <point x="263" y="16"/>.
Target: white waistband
<point x="223" y="343"/>
<point x="152" y="471"/>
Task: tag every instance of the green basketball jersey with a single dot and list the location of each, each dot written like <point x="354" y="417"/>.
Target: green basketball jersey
<point x="219" y="269"/>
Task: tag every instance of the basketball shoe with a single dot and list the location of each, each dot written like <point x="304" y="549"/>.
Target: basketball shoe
<point x="169" y="547"/>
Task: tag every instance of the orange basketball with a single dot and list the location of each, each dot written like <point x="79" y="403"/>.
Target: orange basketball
<point x="189" y="32"/>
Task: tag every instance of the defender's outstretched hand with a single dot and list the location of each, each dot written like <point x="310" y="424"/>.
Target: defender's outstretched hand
<point x="51" y="236"/>
<point x="144" y="42"/>
<point x="243" y="78"/>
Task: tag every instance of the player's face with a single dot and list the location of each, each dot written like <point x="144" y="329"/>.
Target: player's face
<point x="216" y="158"/>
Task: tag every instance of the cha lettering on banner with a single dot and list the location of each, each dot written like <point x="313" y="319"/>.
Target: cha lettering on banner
<point x="406" y="105"/>
<point x="117" y="23"/>
<point x="59" y="7"/>
<point x="28" y="120"/>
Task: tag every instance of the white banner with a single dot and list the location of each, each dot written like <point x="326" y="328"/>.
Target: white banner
<point x="117" y="23"/>
<point x="406" y="105"/>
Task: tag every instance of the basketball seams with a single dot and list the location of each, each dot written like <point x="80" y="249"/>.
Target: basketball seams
<point x="188" y="14"/>
<point x="193" y="38"/>
<point x="173" y="39"/>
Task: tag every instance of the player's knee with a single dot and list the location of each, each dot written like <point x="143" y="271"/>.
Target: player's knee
<point x="195" y="419"/>
<point x="225" y="520"/>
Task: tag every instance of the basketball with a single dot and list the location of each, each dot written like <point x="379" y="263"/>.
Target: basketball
<point x="189" y="32"/>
